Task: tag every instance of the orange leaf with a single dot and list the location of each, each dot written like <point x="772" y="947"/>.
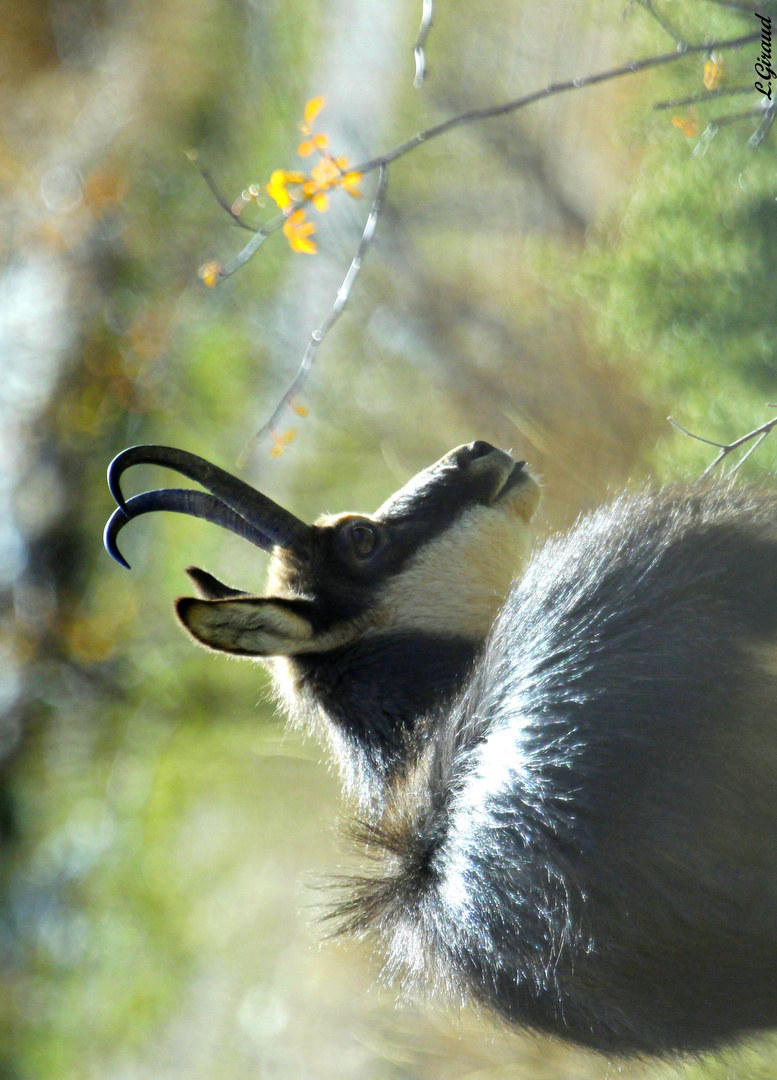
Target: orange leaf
<point x="281" y="441"/>
<point x="688" y="125"/>
<point x="306" y="148"/>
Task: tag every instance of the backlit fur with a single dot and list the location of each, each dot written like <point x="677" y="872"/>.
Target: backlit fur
<point x="569" y="805"/>
<point x="589" y="842"/>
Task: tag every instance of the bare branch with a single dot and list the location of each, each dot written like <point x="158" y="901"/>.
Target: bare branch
<point x="216" y="192"/>
<point x="662" y="21"/>
<point x="734" y="118"/>
<point x="549" y="91"/>
<point x="759" y="434"/>
<point x="251" y="247"/>
<point x="484" y="114"/>
<point x="336" y="311"/>
<point x="704" y="95"/>
<point x="718" y="122"/>
<point x="761" y="131"/>
<point x="738" y="5"/>
<point x="420" y="41"/>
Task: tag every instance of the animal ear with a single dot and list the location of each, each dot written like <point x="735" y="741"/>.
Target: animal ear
<point x="209" y="587"/>
<point x="256" y="626"/>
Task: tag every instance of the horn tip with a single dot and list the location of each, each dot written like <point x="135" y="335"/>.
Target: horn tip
<point x="111" y="547"/>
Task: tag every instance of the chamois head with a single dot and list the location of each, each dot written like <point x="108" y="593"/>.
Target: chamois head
<point x="396" y="604"/>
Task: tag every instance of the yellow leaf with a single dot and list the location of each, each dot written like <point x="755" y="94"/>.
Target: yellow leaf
<point x="306" y="148"/>
<point x="278" y="194"/>
<point x="299" y="242"/>
<point x="297" y="231"/>
<point x="209" y="273"/>
<point x="714" y="71"/>
<point x="313" y="108"/>
<point x="350" y="182"/>
<point x="300" y="410"/>
<point x="279" y="180"/>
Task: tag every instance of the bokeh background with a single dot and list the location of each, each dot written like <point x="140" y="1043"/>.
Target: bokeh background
<point x="556" y="281"/>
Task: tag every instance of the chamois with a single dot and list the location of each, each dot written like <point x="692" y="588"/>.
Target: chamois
<point x="568" y="784"/>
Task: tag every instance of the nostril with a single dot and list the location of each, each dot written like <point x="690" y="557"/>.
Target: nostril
<point x="478" y="449"/>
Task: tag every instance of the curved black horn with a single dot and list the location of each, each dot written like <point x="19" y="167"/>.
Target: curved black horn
<point x="181" y="501"/>
<point x="276" y="525"/>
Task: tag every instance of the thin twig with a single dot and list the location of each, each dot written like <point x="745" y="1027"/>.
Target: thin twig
<point x="714" y="126"/>
<point x="251" y="247"/>
<point x="217" y="193"/>
<point x="762" y="130"/>
<point x="549" y="91"/>
<point x="336" y="311"/>
<point x="418" y="48"/>
<point x="734" y="118"/>
<point x="738" y="5"/>
<point x="759" y="434"/>
<point x="663" y="22"/>
<point x="704" y="95"/>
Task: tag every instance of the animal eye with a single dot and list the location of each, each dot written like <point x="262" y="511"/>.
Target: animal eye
<point x="363" y="539"/>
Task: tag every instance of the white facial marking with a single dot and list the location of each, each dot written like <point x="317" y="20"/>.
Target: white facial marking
<point x="457" y="583"/>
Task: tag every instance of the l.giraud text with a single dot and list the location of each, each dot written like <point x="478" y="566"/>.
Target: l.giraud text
<point x="763" y="65"/>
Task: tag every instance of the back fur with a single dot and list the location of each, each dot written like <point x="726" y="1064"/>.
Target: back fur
<point x="589" y="843"/>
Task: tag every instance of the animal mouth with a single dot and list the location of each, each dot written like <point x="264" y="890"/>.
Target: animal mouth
<point x="502" y="479"/>
<point x="513" y="478"/>
<point x="519" y="492"/>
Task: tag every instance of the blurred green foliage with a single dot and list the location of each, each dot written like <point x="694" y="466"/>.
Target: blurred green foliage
<point x="682" y="277"/>
<point x="555" y="282"/>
